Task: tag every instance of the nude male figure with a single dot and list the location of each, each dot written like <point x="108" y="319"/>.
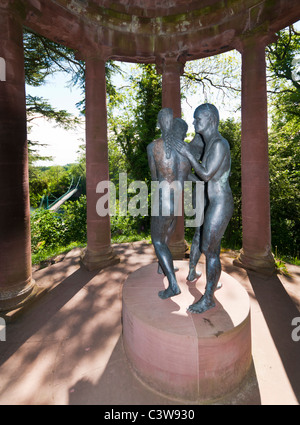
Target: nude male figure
<point x="167" y="165"/>
<point x="214" y="169"/>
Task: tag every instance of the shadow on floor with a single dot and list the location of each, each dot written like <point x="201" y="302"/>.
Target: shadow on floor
<point x="279" y="310"/>
<point x="119" y="385"/>
<point x="83" y="302"/>
<point x="43" y="310"/>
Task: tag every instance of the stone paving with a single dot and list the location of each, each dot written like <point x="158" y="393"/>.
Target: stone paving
<point x="66" y="348"/>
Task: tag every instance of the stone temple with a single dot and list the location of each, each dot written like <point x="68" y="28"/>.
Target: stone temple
<point x="166" y="33"/>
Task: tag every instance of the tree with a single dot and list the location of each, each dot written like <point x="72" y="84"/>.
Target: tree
<point x="44" y="57"/>
<point x="284" y="146"/>
<point x="214" y="79"/>
<point x="136" y="128"/>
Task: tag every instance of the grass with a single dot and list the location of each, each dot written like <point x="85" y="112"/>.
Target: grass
<point x="48" y="253"/>
<point x="131" y="238"/>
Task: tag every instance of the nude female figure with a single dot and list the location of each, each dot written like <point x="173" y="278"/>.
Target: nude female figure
<point x="167" y="165"/>
<point x="214" y="169"/>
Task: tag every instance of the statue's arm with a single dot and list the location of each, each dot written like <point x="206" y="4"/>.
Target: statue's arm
<point x="197" y="146"/>
<point x="151" y="163"/>
<point x="213" y="162"/>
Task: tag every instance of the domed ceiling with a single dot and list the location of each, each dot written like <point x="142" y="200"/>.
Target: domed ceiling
<point x="143" y="30"/>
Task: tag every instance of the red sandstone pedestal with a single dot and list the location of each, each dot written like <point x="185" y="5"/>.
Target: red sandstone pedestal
<point x="193" y="357"/>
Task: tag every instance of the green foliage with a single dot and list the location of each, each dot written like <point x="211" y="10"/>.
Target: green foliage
<point x="56" y="232"/>
<point x="47" y="230"/>
<point x="131" y="133"/>
<point x="74" y="215"/>
<point x="284" y="144"/>
<point x="132" y="115"/>
<point x="284" y="151"/>
<point x="50" y="229"/>
<point x="46" y="254"/>
<point x="214" y="79"/>
<point x="136" y="128"/>
<point x="280" y="57"/>
<point x="128" y="228"/>
<point x="38" y="107"/>
<point x="43" y="57"/>
<point x="37" y="186"/>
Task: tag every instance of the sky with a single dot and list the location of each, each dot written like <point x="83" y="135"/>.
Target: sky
<point x="62" y="145"/>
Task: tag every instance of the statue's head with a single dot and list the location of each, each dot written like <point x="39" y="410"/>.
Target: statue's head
<point x="206" y="116"/>
<point x="180" y="128"/>
<point x="165" y="119"/>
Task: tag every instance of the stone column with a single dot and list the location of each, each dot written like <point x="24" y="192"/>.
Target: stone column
<point x="171" y="93"/>
<point x="99" y="253"/>
<point x="16" y="284"/>
<point x="256" y="252"/>
<point x="171" y="70"/>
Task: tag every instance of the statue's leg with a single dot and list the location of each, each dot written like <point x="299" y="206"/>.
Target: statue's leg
<point x="213" y="229"/>
<point x="167" y="239"/>
<point x="196" y="250"/>
<point x="213" y="272"/>
<point x="195" y="254"/>
<point x="159" y="227"/>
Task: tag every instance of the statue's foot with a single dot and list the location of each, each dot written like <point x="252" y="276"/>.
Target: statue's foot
<point x="169" y="292"/>
<point x="201" y="306"/>
<point x="193" y="275"/>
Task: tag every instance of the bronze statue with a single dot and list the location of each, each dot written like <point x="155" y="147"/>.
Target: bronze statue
<point x="214" y="170"/>
<point x="167" y="165"/>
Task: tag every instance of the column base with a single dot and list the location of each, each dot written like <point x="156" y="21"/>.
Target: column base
<point x="17" y="310"/>
<point x="178" y="249"/>
<point x="93" y="260"/>
<point x="12" y="300"/>
<point x="259" y="263"/>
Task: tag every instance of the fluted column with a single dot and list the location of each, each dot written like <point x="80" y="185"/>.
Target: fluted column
<point x="16" y="284"/>
<point x="171" y="70"/>
<point x="256" y="252"/>
<point x="99" y="253"/>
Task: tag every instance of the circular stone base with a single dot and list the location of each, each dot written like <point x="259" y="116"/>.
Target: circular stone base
<point x="193" y="357"/>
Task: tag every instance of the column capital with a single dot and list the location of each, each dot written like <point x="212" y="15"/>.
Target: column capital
<point x="94" y="53"/>
<point x="258" y="39"/>
<point x="172" y="63"/>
